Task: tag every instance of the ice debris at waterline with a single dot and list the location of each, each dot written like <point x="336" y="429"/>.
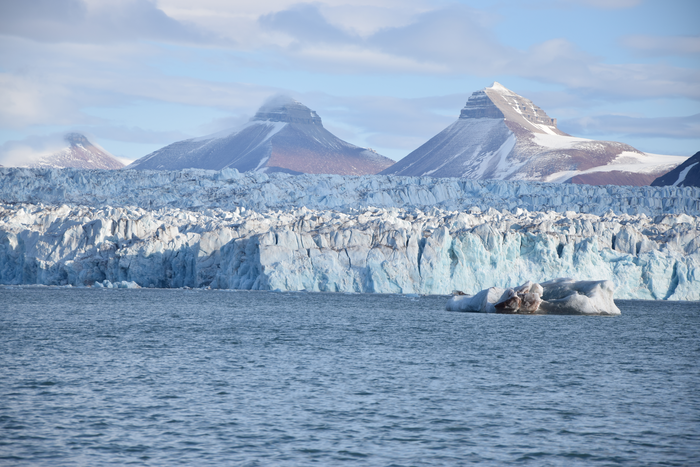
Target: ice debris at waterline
<point x="368" y="250"/>
<point x="561" y="296"/>
<point x="117" y="285"/>
<point x="228" y="189"/>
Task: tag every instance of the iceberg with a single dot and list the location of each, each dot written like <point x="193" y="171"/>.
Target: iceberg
<point x="563" y="296"/>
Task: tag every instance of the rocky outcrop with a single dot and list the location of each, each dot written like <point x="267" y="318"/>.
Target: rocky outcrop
<point x="283" y="136"/>
<point x="686" y="174"/>
<point x="81" y="154"/>
<point x="502" y="135"/>
<point x="501" y="103"/>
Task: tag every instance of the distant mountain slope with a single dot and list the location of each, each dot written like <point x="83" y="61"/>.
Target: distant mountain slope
<point x="502" y="135"/>
<point x="80" y="154"/>
<point x="284" y="136"/>
<point x="686" y="174"/>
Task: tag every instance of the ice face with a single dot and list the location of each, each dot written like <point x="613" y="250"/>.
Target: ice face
<point x="355" y="234"/>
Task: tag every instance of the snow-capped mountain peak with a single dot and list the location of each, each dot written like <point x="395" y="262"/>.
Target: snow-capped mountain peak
<point x="498" y="87"/>
<point x="502" y="135"/>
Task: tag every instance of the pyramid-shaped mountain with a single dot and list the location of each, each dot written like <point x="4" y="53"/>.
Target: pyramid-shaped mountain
<point x="79" y="153"/>
<point x="502" y="135"/>
<point x="283" y="136"/>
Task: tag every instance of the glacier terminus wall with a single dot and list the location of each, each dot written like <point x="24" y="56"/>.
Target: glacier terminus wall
<point x="342" y="234"/>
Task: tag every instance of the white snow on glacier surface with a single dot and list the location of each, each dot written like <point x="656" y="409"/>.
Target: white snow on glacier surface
<point x="224" y="229"/>
<point x="229" y="189"/>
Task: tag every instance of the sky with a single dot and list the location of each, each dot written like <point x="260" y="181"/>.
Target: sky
<point x="137" y="75"/>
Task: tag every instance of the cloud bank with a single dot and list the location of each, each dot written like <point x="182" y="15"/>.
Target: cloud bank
<point x="63" y="59"/>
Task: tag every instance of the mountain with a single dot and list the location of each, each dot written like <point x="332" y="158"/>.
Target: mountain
<point x="502" y="135"/>
<point x="686" y="174"/>
<point x="283" y="136"/>
<point x="80" y="154"/>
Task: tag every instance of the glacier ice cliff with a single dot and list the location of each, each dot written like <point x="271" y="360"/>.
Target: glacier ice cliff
<point x="426" y="250"/>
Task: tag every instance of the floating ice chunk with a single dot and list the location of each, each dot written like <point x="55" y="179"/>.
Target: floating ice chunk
<point x="569" y="297"/>
<point x="106" y="284"/>
<point x="561" y="296"/>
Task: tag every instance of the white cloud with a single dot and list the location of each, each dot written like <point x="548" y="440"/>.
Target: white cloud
<point x="353" y="59"/>
<point x="605" y="4"/>
<point x="92" y="22"/>
<point x="663" y="46"/>
<point x="73" y="56"/>
<point x="134" y="134"/>
<point x="561" y="62"/>
<point x="28" y="100"/>
<point x="30" y="149"/>
<point x="669" y="127"/>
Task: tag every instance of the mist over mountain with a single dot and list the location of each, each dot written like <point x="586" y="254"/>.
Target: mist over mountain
<point x="79" y="153"/>
<point x="283" y="136"/>
<point x="502" y="135"/>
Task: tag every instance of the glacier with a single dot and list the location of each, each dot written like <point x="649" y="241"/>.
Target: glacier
<point x="381" y="234"/>
<point x="228" y="189"/>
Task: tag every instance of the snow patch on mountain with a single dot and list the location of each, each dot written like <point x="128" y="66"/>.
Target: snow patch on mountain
<point x="684" y="174"/>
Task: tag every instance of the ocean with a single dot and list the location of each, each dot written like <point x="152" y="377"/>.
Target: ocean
<point x="197" y="377"/>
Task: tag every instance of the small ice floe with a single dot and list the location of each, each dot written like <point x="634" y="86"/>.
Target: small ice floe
<point x="116" y="285"/>
<point x="561" y="296"/>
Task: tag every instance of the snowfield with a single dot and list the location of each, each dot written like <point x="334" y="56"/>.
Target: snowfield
<point x="228" y="189"/>
<point x="385" y="234"/>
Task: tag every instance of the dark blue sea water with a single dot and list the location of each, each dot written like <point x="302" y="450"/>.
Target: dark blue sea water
<point x="184" y="377"/>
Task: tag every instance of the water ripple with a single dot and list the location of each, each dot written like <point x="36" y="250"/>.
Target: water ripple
<point x="168" y="377"/>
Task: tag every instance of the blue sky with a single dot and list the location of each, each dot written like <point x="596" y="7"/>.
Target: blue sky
<point x="136" y="75"/>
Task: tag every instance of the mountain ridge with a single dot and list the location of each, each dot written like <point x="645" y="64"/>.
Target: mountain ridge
<point x="502" y="135"/>
<point x="80" y="154"/>
<point x="283" y="136"/>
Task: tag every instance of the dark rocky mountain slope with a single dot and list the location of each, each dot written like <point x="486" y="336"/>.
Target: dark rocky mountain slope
<point x="686" y="174"/>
